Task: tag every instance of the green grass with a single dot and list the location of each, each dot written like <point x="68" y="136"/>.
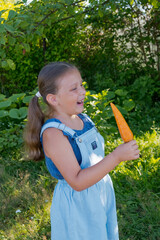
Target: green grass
<point x="27" y="188"/>
<point x="137" y="187"/>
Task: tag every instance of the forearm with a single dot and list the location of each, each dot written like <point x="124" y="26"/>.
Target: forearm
<point x="89" y="176"/>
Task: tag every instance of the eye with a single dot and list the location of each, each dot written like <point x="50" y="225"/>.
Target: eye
<point x="73" y="89"/>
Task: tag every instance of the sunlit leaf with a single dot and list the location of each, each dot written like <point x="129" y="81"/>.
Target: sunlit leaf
<point x="129" y="104"/>
<point x="11" y="64"/>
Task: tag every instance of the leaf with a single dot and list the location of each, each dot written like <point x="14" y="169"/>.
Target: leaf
<point x="1" y="20"/>
<point x="12" y="14"/>
<point x="9" y="28"/>
<point x="110" y="95"/>
<point x="27" y="99"/>
<point x="17" y="23"/>
<point x="11" y="64"/>
<point x="2" y="140"/>
<point x="155" y="3"/>
<point x="16" y="97"/>
<point x="27" y="47"/>
<point x="11" y="40"/>
<point x="1" y="12"/>
<point x="131" y="2"/>
<point x="121" y="92"/>
<point x="18" y="113"/>
<point x="2" y="29"/>
<point x="2" y="97"/>
<point x="4" y="64"/>
<point x="113" y="7"/>
<point x="3" y="113"/>
<point x="3" y="40"/>
<point x="100" y="13"/>
<point x="5" y="104"/>
<point x="2" y="53"/>
<point x="129" y="104"/>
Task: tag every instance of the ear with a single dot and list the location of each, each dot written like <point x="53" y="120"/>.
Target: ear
<point x="51" y="99"/>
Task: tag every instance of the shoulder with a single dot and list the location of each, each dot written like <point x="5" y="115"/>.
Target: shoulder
<point x="47" y="127"/>
<point x="51" y="133"/>
<point x="53" y="140"/>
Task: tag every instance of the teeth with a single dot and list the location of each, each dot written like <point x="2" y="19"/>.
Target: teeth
<point x="80" y="101"/>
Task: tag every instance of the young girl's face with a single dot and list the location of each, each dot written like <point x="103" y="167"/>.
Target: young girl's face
<point x="71" y="93"/>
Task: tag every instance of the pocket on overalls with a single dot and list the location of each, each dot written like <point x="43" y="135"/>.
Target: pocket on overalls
<point x="95" y="148"/>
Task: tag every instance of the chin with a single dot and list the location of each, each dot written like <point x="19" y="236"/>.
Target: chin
<point x="78" y="112"/>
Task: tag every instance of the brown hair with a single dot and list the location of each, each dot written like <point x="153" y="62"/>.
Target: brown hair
<point x="47" y="83"/>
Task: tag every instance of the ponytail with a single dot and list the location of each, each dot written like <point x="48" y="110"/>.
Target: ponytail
<point x="32" y="131"/>
<point x="47" y="84"/>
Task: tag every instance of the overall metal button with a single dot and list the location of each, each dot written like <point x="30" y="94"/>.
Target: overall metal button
<point x="80" y="140"/>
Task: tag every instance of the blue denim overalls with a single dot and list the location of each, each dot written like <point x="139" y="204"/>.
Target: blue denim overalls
<point x="89" y="214"/>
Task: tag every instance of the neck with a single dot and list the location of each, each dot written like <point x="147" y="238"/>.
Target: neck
<point x="72" y="121"/>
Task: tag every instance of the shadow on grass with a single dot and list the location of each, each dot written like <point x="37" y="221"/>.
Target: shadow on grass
<point x="26" y="191"/>
<point x="137" y="204"/>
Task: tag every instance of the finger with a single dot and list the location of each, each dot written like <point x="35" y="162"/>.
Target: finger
<point x="137" y="152"/>
<point x="132" y="143"/>
<point x="136" y="155"/>
<point x="134" y="147"/>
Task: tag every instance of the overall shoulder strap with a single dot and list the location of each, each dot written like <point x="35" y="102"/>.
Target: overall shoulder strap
<point x="86" y="116"/>
<point x="59" y="126"/>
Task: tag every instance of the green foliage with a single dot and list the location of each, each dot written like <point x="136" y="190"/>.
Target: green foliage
<point x="98" y="108"/>
<point x="144" y="89"/>
<point x="26" y="188"/>
<point x="111" y="46"/>
<point x="11" y="137"/>
<point x="13" y="112"/>
<point x="18" y="113"/>
<point x="14" y="107"/>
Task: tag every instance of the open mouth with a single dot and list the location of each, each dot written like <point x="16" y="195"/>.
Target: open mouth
<point x="80" y="102"/>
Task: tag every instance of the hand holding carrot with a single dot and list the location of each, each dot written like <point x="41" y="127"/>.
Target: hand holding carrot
<point x="126" y="151"/>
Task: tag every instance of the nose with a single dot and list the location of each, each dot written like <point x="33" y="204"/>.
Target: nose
<point x="83" y="90"/>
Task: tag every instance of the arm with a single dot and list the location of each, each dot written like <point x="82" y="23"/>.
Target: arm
<point x="60" y="151"/>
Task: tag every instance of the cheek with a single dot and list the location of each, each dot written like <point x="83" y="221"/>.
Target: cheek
<point x="73" y="96"/>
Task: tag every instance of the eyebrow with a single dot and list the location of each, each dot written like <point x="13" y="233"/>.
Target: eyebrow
<point x="75" y="83"/>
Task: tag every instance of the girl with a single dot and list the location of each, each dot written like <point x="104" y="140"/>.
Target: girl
<point x="83" y="206"/>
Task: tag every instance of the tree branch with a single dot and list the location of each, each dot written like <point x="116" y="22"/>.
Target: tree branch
<point x="87" y="10"/>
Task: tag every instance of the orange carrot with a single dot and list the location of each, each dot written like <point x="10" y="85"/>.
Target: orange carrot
<point x="125" y="131"/>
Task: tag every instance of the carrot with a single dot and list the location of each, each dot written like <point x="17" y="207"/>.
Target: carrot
<point x="125" y="131"/>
